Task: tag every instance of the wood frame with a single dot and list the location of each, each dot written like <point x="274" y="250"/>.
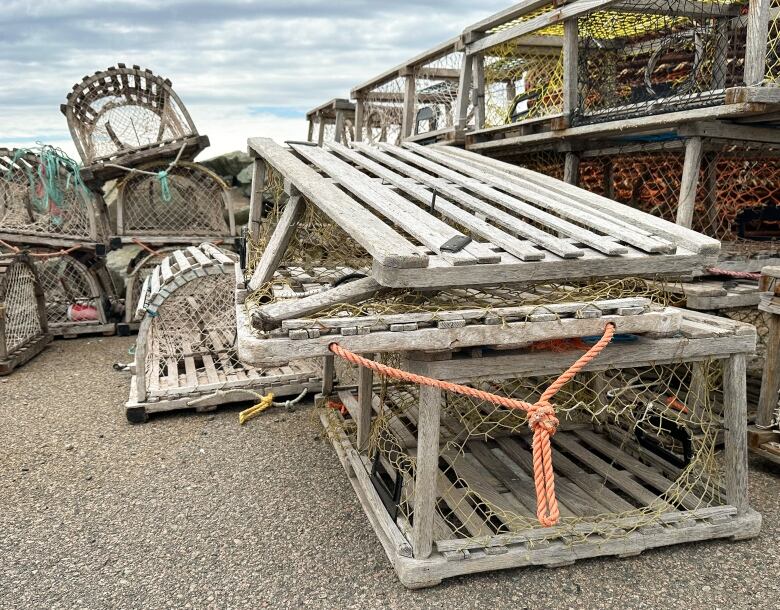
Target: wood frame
<point x="148" y="90"/>
<point x="33" y="345"/>
<point x="422" y="559"/>
<point x="215" y="386"/>
<point x="161" y="236"/>
<point x="334" y="112"/>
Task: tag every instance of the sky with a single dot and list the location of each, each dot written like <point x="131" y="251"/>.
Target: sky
<point x="243" y="68"/>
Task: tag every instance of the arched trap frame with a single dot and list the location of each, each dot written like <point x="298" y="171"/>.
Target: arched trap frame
<point x="128" y="116"/>
<point x="79" y="293"/>
<point x="43" y="200"/>
<point x="188" y="205"/>
<point x="185" y="354"/>
<point x="138" y="269"/>
<point x="23" y="329"/>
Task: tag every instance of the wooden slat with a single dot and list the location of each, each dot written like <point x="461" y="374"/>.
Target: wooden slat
<point x="601" y="243"/>
<point x="381" y="241"/>
<point x="477" y="226"/>
<point x="427" y="229"/>
<point x="278" y="242"/>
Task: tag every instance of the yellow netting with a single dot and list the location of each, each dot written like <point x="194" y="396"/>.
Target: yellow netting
<point x="772" y="74"/>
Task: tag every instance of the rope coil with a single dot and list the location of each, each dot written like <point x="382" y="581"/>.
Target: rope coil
<point x="541" y="414"/>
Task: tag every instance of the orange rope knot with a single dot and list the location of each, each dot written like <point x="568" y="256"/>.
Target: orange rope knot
<point x="541" y="415"/>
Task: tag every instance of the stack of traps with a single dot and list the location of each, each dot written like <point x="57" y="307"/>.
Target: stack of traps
<point x="185" y="354"/>
<point x="435" y="262"/>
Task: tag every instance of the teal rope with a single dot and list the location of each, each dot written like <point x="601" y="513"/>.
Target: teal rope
<point x="165" y="186"/>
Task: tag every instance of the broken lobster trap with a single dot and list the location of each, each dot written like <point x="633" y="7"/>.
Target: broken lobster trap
<point x="127" y="117"/>
<point x="430" y="268"/>
<point x="185" y="355"/>
<point x="174" y="203"/>
<point x="79" y="292"/>
<point x="23" y="331"/>
<point x="43" y="200"/>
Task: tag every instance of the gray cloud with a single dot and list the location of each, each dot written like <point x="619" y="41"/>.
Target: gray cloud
<point x="272" y="57"/>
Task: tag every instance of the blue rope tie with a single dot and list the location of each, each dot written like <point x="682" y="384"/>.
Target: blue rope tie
<point x="165" y="186"/>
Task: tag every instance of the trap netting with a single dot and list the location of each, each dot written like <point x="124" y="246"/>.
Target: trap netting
<point x="760" y="320"/>
<point x="657" y="60"/>
<point x="19" y="290"/>
<point x="121" y="109"/>
<point x="666" y="416"/>
<point x="436" y="91"/>
<point x="736" y="198"/>
<point x="547" y="162"/>
<point x="383" y="112"/>
<point x="42" y="195"/>
<point x="73" y="293"/>
<point x="188" y="200"/>
<point x="188" y="335"/>
<point x="523" y="82"/>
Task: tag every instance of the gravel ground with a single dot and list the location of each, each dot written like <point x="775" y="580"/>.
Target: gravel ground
<point x="193" y="511"/>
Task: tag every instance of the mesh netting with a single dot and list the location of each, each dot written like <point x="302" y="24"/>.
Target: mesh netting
<point x="195" y="206"/>
<point x="547" y="162"/>
<point x="72" y="295"/>
<point x="192" y="338"/>
<point x="737" y="196"/>
<point x="21" y="307"/>
<point x="436" y="91"/>
<point x="383" y="112"/>
<point x="41" y="196"/>
<point x="122" y="109"/>
<point x="346" y="136"/>
<point x="522" y="83"/>
<point x="668" y="416"/>
<point x="759" y="319"/>
<point x="772" y="73"/>
<point x="634" y="64"/>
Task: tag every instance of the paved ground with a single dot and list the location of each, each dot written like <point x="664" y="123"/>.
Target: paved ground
<point x="193" y="511"/>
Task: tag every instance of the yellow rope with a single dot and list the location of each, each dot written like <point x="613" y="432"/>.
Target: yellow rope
<point x="254" y="411"/>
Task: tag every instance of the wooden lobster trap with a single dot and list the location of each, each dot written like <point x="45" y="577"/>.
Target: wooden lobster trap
<point x="80" y="295"/>
<point x="190" y="204"/>
<point x="23" y="330"/>
<point x="364" y="261"/>
<point x="127" y="117"/>
<point x="185" y="354"/>
<point x="333" y="121"/>
<point x="44" y="201"/>
<point x="138" y="269"/>
<point x="444" y="463"/>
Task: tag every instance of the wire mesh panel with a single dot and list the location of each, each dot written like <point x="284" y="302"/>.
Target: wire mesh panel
<point x="189" y="201"/>
<point x="122" y="109"/>
<point x="383" y="112"/>
<point x="42" y="197"/>
<point x="23" y="331"/>
<point x="651" y="59"/>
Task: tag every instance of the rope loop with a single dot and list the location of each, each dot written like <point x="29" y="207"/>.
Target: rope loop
<point x="165" y="186"/>
<point x="541" y="414"/>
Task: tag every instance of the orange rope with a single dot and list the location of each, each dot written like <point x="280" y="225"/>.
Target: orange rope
<point x="39" y="254"/>
<point x="744" y="275"/>
<point x="144" y="246"/>
<point x="541" y="414"/>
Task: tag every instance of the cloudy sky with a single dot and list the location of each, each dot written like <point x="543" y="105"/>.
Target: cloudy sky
<point x="243" y="67"/>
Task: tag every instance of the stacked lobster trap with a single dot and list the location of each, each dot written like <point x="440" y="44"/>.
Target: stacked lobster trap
<point x="486" y="329"/>
<point x="49" y="211"/>
<point x="23" y="327"/>
<point x="185" y="354"/>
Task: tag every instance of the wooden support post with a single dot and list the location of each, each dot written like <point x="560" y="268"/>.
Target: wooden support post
<point x="328" y="371"/>
<point x="425" y="482"/>
<point x="3" y="338"/>
<point x="720" y="60"/>
<point x="571" y="168"/>
<point x="464" y="95"/>
<point x="478" y="90"/>
<point x="770" y="383"/>
<point x="365" y="396"/>
<point x="756" y="42"/>
<point x="321" y="133"/>
<point x="410" y="103"/>
<point x="570" y="59"/>
<point x="609" y="178"/>
<point x="256" y="199"/>
<point x="735" y="421"/>
<point x="698" y="390"/>
<point x="359" y="119"/>
<point x="310" y="134"/>
<point x="339" y="126"/>
<point x="278" y="243"/>
<point x="511" y="93"/>
<point x="689" y="182"/>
